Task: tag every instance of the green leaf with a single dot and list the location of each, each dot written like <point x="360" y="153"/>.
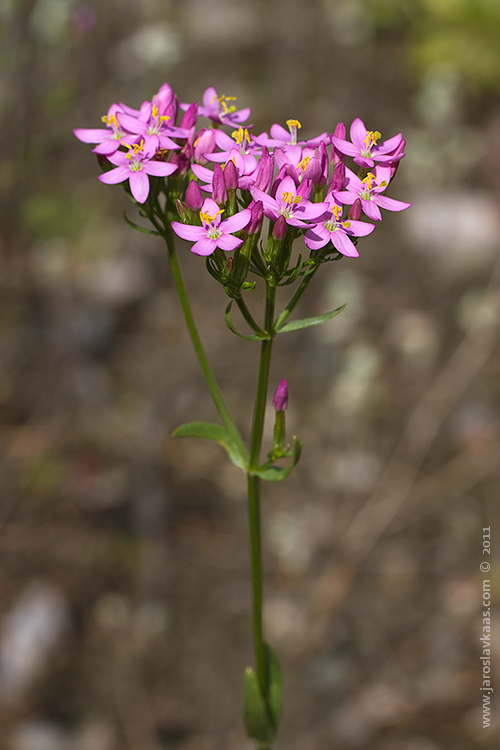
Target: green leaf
<point x="137" y="227"/>
<point x="271" y="473"/>
<point x="258" y="722"/>
<point x="295" y="325"/>
<point x="250" y="337"/>
<point x="274" y="685"/>
<point x="218" y="434"/>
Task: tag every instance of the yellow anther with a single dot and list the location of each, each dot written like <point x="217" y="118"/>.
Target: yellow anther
<point x="293" y="123"/>
<point x="346" y="224"/>
<point x="337" y="210"/>
<point x="155" y="111"/>
<point x="372" y="137"/>
<point x="302" y="165"/>
<point x="240" y="134"/>
<point x="384" y="183"/>
<point x="369" y="180"/>
<point x="290" y="198"/>
<point x="222" y="99"/>
<point x="206" y="218"/>
<point x="111" y="120"/>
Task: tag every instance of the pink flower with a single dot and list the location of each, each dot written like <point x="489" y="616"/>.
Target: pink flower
<point x="135" y="166"/>
<point x="281" y="137"/>
<point x="290" y="202"/>
<point x="221" y="109"/>
<point x="213" y="233"/>
<point x="364" y="148"/>
<point x="333" y="229"/>
<point x="109" y="138"/>
<point x="280" y="399"/>
<point x="368" y="191"/>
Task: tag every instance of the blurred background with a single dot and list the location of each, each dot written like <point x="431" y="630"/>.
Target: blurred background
<point x="124" y="574"/>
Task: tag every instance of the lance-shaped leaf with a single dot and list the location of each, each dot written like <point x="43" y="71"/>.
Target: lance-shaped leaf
<point x="274" y="684"/>
<point x="250" y="337"/>
<point x="271" y="473"/>
<point x="259" y="724"/>
<point x="296" y="325"/>
<point x="144" y="230"/>
<point x="218" y="434"/>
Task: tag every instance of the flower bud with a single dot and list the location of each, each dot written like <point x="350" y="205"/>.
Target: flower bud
<point x="219" y="192"/>
<point x="265" y="171"/>
<point x="189" y="117"/>
<point x="304" y="189"/>
<point x="398" y="155"/>
<point x="257" y="209"/>
<point x="337" y="156"/>
<point x="231" y="176"/>
<point x="356" y="210"/>
<point x="194" y="197"/>
<point x="280" y="400"/>
<point x="280" y="228"/>
<point x="338" y="179"/>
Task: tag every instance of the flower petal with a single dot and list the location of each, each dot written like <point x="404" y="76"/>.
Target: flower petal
<point x="236" y="222"/>
<point x="343" y="244"/>
<point x="204" y="247"/>
<point x="188" y="231"/>
<point x="358" y="132"/>
<point x="114" y="176"/>
<point x="139" y="185"/>
<point x="390" y="204"/>
<point x="159" y="168"/>
<point x="227" y="242"/>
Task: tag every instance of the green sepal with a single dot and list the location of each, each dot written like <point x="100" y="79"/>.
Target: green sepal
<point x="256" y="714"/>
<point x="274" y="685"/>
<point x="271" y="473"/>
<point x="137" y="227"/>
<point x="296" y="325"/>
<point x="218" y="434"/>
<point x="249" y="337"/>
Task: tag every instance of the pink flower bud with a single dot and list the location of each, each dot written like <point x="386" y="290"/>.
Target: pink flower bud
<point x="280" y="228"/>
<point x="356" y="210"/>
<point x="280" y="400"/>
<point x="189" y="117"/>
<point x="337" y="156"/>
<point x="255" y="224"/>
<point x="219" y="192"/>
<point x="194" y="197"/>
<point x="231" y="176"/>
<point x="338" y="179"/>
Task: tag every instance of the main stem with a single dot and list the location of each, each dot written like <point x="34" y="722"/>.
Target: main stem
<point x="198" y="347"/>
<point x="254" y="487"/>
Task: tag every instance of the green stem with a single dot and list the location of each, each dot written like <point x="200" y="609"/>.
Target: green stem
<point x="200" y="353"/>
<point x="254" y="487"/>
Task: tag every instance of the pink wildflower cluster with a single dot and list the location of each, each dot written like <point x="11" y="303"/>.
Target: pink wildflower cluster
<point x="301" y="185"/>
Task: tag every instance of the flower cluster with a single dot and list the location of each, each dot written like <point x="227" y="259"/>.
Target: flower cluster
<point x="222" y="182"/>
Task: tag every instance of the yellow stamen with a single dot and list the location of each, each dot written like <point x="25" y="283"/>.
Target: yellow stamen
<point x="372" y="137"/>
<point x="240" y="134"/>
<point x="337" y="210"/>
<point x="289" y="198"/>
<point x="346" y="224"/>
<point x="205" y="216"/>
<point x="369" y="180"/>
<point x="111" y="120"/>
<point x="154" y="113"/>
<point x="302" y="165"/>
<point x="135" y="149"/>
<point x="293" y="123"/>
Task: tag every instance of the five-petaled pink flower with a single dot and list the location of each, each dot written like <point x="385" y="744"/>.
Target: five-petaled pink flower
<point x="135" y="166"/>
<point x="336" y="230"/>
<point x="364" y="148"/>
<point x="220" y="109"/>
<point x="214" y="232"/>
<point x="368" y="191"/>
<point x="290" y="202"/>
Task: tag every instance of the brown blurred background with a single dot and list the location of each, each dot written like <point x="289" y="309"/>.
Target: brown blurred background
<point x="124" y="580"/>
